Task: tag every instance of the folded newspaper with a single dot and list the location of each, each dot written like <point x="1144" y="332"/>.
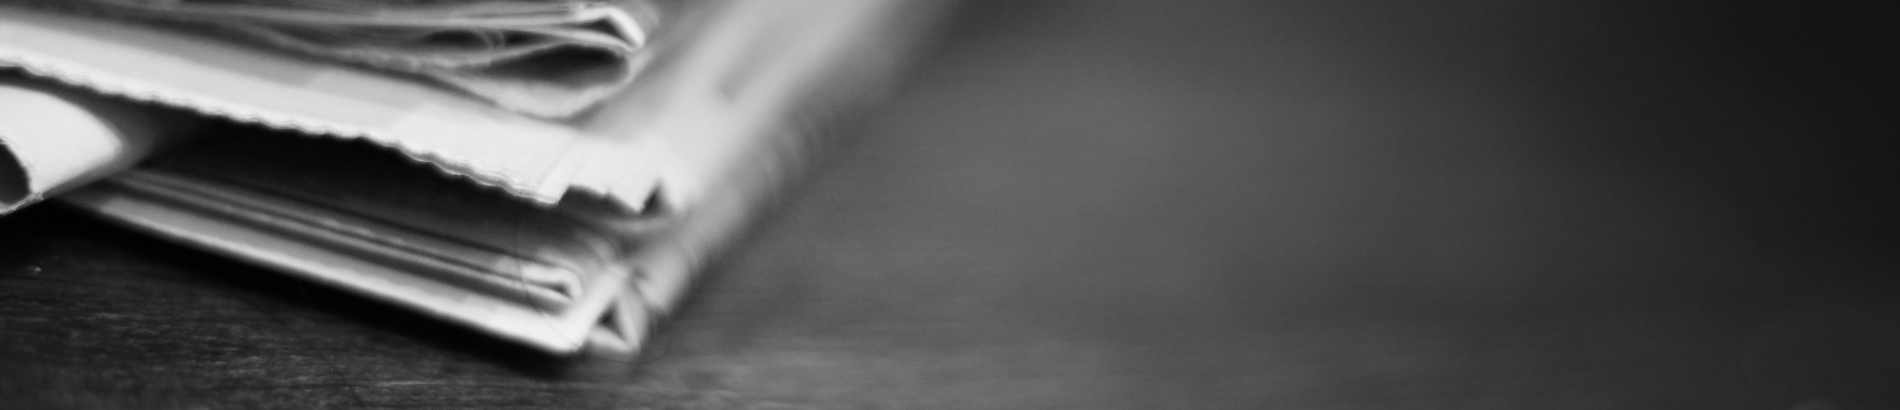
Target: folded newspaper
<point x="346" y="168"/>
<point x="550" y="58"/>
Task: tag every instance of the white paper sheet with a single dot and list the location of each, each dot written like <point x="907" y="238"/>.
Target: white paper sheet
<point x="522" y="155"/>
<point x="55" y="138"/>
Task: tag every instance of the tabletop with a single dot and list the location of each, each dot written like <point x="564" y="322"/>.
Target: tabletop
<point x="1194" y="204"/>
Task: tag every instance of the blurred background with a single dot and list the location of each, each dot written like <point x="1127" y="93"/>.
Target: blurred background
<point x="1187" y="204"/>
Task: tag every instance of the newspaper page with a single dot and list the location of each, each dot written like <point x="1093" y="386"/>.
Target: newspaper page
<point x="548" y="58"/>
<point x="54" y="138"/>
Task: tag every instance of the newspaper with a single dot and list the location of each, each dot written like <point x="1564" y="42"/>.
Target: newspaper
<point x="533" y="158"/>
<point x="548" y="58"/>
<point x="704" y="138"/>
<point x="631" y="158"/>
<point x="55" y="138"/>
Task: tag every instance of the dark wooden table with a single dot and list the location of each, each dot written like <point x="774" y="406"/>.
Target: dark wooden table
<point x="1150" y="204"/>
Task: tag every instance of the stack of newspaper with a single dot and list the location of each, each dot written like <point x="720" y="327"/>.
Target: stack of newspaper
<point x="548" y="171"/>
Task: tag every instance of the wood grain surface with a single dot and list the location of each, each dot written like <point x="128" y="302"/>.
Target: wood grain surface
<point x="1197" y="204"/>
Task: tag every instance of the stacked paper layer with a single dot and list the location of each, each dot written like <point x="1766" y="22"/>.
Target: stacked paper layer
<point x="549" y="58"/>
<point x="536" y="159"/>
